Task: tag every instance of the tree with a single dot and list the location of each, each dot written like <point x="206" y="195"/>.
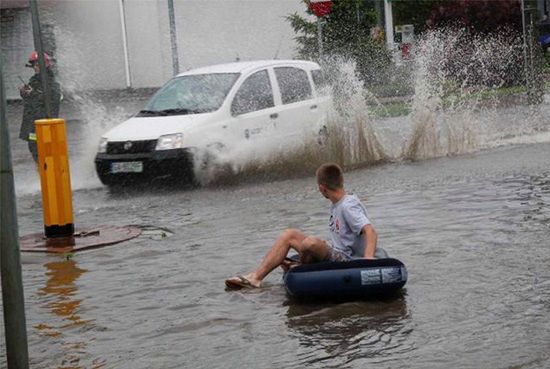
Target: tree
<point x="482" y="16"/>
<point x="485" y="16"/>
<point x="346" y="33"/>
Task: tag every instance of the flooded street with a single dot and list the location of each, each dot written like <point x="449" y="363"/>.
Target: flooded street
<point x="472" y="230"/>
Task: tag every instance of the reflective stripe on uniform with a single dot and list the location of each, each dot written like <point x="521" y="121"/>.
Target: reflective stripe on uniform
<point x="32" y="136"/>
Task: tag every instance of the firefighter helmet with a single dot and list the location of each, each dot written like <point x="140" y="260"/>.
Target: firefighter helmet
<point x="33" y="59"/>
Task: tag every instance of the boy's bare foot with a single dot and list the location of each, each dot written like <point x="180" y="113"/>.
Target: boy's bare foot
<point x="239" y="282"/>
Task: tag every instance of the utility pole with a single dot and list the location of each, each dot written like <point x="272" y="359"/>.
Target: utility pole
<point x="388" y="14"/>
<point x="37" y="35"/>
<point x="10" y="263"/>
<point x="173" y="38"/>
<point x="320" y="37"/>
<point x="125" y="43"/>
<point x="379" y="13"/>
<point x="531" y="51"/>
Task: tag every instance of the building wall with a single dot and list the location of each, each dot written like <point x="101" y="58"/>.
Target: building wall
<point x="89" y="48"/>
<point x="89" y="43"/>
<point x="215" y="31"/>
<point x="15" y="46"/>
<point x="148" y="34"/>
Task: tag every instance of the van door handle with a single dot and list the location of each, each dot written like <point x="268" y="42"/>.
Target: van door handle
<point x="274" y="115"/>
<point x="313" y="107"/>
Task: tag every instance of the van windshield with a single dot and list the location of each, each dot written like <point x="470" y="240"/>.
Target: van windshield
<point x="193" y="94"/>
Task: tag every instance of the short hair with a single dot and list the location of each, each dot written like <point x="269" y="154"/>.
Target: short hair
<point x="330" y="175"/>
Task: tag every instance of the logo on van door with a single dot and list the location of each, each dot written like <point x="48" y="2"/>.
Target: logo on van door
<point x="252" y="131"/>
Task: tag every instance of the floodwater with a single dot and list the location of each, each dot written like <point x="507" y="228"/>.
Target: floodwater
<point x="472" y="229"/>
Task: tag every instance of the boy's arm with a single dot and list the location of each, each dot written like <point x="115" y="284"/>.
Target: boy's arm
<point x="371" y="238"/>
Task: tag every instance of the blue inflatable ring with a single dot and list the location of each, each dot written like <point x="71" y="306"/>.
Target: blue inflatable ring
<point x="358" y="279"/>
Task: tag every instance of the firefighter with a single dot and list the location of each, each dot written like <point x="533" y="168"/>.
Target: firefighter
<point x="34" y="107"/>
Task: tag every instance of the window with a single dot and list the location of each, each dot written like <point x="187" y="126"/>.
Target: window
<point x="293" y="83"/>
<point x="254" y="94"/>
<point x="197" y="93"/>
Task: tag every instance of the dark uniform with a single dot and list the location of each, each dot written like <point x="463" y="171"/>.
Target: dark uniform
<point x="34" y="107"/>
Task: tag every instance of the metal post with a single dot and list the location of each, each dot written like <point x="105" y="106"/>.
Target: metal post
<point x="320" y="37"/>
<point x="379" y="16"/>
<point x="55" y="178"/>
<point x="388" y="22"/>
<point x="37" y="34"/>
<point x="388" y="13"/>
<point x="524" y="42"/>
<point x="10" y="264"/>
<point x="532" y="53"/>
<point x="173" y="37"/>
<point x="125" y="44"/>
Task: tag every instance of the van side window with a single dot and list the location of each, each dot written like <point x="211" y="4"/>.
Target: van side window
<point x="293" y="83"/>
<point x="254" y="94"/>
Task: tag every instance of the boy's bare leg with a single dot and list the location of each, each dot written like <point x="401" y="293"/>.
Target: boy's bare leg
<point x="309" y="248"/>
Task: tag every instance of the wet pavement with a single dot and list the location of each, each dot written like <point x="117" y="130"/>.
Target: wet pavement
<point x="472" y="230"/>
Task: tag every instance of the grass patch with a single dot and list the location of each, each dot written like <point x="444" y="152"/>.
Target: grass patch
<point x="403" y="108"/>
<point x="392" y="109"/>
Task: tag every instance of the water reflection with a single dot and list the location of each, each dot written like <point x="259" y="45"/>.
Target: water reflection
<point x="60" y="295"/>
<point x="339" y="334"/>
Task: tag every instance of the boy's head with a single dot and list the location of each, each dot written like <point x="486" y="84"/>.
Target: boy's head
<point x="330" y="176"/>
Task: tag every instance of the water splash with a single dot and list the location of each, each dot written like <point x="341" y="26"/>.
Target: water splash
<point x="456" y="109"/>
<point x="346" y="135"/>
<point x="459" y="105"/>
<point x="95" y="116"/>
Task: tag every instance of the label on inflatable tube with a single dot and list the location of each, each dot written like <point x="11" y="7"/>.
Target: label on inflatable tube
<point x="383" y="275"/>
<point x="371" y="276"/>
<point x="391" y="275"/>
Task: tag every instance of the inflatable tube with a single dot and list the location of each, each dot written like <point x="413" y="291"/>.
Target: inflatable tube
<point x="358" y="279"/>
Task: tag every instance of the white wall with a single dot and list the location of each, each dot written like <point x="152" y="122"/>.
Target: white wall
<point x="16" y="44"/>
<point x="89" y="41"/>
<point x="149" y="48"/>
<point x="89" y="44"/>
<point x="215" y="31"/>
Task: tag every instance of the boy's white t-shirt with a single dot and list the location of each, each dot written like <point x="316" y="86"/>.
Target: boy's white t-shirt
<point x="347" y="218"/>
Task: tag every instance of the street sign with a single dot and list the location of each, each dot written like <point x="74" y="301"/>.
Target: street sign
<point x="320" y="7"/>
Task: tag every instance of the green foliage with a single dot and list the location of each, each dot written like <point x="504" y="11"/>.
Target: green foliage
<point x="415" y="12"/>
<point x="484" y="16"/>
<point x="346" y="33"/>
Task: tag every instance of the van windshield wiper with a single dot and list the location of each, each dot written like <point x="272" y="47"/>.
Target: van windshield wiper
<point x="178" y="111"/>
<point x="154" y="113"/>
<point x="165" y="112"/>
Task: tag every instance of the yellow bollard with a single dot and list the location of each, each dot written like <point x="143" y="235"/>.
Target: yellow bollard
<point x="55" y="177"/>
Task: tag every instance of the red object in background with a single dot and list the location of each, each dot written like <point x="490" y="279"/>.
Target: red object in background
<point x="320" y="7"/>
<point x="405" y="50"/>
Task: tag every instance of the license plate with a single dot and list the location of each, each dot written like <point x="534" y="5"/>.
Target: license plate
<point x="127" y="167"/>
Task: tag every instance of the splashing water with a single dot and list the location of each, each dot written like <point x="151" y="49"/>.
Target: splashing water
<point x="465" y="99"/>
<point x="456" y="108"/>
<point x="346" y="135"/>
<point x="96" y="116"/>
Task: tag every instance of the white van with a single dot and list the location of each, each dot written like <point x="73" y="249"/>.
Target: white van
<point x="255" y="103"/>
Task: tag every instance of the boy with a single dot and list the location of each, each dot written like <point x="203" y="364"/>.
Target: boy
<point x="351" y="233"/>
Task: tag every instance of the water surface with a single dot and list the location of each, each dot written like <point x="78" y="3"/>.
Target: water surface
<point x="472" y="230"/>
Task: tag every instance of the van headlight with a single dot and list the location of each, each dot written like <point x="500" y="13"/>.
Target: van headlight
<point x="169" y="142"/>
<point x="102" y="148"/>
